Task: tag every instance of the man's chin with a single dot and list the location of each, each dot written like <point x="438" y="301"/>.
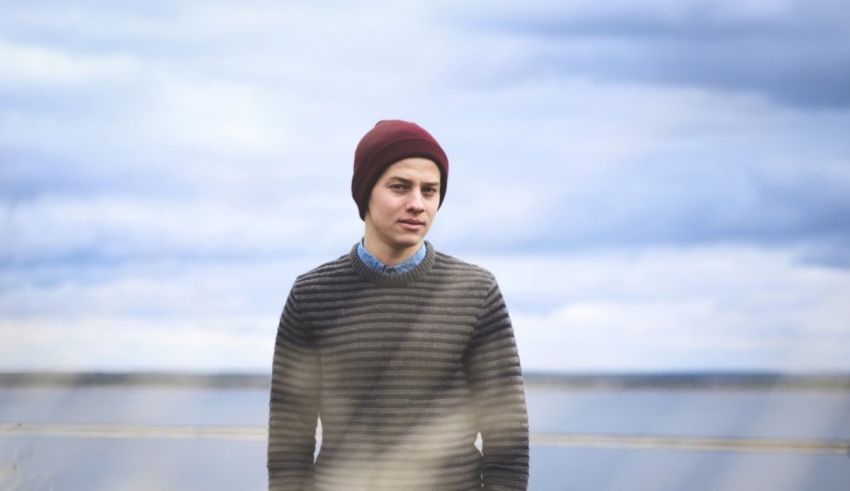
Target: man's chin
<point x="407" y="241"/>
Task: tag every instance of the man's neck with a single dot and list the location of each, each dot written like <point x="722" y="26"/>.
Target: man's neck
<point x="388" y="255"/>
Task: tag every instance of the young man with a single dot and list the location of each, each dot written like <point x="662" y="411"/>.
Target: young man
<point x="404" y="353"/>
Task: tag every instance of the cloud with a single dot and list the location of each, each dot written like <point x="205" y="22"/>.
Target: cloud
<point x="608" y="166"/>
<point x="726" y="308"/>
<point x="791" y="52"/>
<point x="158" y="315"/>
<point x="109" y="229"/>
<point x="103" y="344"/>
<point x="36" y="67"/>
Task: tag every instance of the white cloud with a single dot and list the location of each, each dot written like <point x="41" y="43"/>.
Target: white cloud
<point x="32" y="66"/>
<point x="213" y="117"/>
<point x="119" y="343"/>
<point x="731" y="308"/>
<point x="109" y="227"/>
<point x="147" y="316"/>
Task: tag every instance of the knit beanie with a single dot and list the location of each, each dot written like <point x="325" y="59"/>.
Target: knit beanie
<point x="388" y="142"/>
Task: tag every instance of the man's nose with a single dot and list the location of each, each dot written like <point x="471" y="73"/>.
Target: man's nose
<point x="416" y="201"/>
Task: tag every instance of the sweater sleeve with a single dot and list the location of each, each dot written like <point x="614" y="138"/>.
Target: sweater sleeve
<point x="494" y="373"/>
<point x="293" y="408"/>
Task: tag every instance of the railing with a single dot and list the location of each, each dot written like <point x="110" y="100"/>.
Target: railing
<point x="631" y="442"/>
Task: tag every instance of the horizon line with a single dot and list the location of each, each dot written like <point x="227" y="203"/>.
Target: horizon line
<point x="669" y="379"/>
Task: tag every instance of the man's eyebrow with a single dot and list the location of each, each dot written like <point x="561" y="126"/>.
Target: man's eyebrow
<point x="410" y="181"/>
<point x="397" y="178"/>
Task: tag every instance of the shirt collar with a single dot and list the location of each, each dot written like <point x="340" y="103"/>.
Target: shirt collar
<point x="402" y="267"/>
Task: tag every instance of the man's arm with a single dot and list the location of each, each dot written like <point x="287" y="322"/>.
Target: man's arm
<point x="293" y="409"/>
<point x="494" y="373"/>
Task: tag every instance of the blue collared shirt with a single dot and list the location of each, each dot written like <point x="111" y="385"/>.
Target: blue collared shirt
<point x="402" y="267"/>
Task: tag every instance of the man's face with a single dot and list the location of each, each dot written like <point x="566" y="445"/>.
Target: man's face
<point x="403" y="205"/>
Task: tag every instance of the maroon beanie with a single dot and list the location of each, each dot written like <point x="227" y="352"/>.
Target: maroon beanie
<point x="388" y="142"/>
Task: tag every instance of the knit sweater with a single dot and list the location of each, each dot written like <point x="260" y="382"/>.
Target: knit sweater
<point x="404" y="370"/>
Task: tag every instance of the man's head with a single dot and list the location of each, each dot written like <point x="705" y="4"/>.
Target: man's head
<point x="387" y="143"/>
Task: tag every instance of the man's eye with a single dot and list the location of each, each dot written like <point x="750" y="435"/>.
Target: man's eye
<point x="429" y="191"/>
<point x="397" y="187"/>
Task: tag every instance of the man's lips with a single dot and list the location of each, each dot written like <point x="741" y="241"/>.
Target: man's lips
<point x="412" y="222"/>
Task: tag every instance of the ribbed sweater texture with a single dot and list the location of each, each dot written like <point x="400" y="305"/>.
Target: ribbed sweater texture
<point x="404" y="371"/>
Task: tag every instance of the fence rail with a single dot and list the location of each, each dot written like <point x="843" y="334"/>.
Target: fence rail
<point x="629" y="442"/>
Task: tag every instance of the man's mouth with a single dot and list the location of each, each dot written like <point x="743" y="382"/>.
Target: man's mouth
<point x="412" y="222"/>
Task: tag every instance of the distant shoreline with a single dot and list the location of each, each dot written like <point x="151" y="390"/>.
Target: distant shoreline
<point x="693" y="380"/>
<point x="579" y="381"/>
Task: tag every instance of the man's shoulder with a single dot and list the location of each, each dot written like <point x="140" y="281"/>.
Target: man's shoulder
<point x="449" y="264"/>
<point x="325" y="272"/>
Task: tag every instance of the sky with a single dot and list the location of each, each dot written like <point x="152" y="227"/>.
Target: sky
<point x="657" y="185"/>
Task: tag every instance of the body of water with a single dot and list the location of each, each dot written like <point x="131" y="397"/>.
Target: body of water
<point x="606" y="439"/>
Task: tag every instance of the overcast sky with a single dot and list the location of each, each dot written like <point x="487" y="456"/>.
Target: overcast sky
<point x="657" y="185"/>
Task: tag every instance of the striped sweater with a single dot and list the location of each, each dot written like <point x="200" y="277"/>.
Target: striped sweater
<point x="404" y="370"/>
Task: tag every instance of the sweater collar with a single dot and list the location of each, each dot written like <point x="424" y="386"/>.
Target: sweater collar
<point x="419" y="268"/>
<point x="402" y="267"/>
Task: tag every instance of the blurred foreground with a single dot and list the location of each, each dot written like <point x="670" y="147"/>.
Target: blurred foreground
<point x="603" y="432"/>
